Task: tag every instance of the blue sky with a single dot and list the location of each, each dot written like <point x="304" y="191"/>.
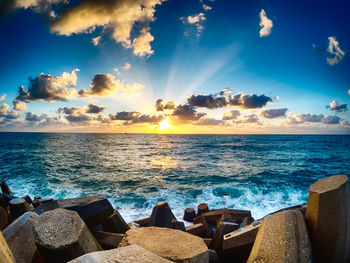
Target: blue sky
<point x="293" y="53"/>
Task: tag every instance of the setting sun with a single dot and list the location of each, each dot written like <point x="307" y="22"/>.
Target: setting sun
<point x="164" y="125"/>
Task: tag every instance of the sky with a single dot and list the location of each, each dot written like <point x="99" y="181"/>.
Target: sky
<point x="175" y="66"/>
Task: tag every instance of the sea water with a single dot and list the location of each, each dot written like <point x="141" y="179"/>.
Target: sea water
<point x="261" y="173"/>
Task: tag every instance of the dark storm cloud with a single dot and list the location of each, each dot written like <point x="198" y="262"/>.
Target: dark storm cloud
<point x="135" y="117"/>
<point x="251" y="101"/>
<point x="101" y="85"/>
<point x="30" y="116"/>
<point x="274" y="113"/>
<point x="161" y="106"/>
<point x="187" y="112"/>
<point x="92" y="108"/>
<point x="49" y="88"/>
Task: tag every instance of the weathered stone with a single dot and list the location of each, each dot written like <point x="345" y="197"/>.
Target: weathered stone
<point x="36" y="203"/>
<point x="5" y="252"/>
<point x="247" y="221"/>
<point x="107" y="240"/>
<point x="129" y="254"/>
<point x="238" y="244"/>
<point x="5" y="188"/>
<point x="46" y="200"/>
<point x="61" y="235"/>
<point x="207" y="241"/>
<point x="115" y="223"/>
<point x="37" y="197"/>
<point x="133" y="225"/>
<point x="161" y="216"/>
<point x="213" y="256"/>
<point x="282" y="237"/>
<point x="8" y="197"/>
<point x="142" y="221"/>
<point x="223" y="229"/>
<point x="3" y="202"/>
<point x="178" y="225"/>
<point x="202" y="220"/>
<point x="4" y="220"/>
<point x="189" y="214"/>
<point x="18" y="207"/>
<point x="214" y="215"/>
<point x="20" y="239"/>
<point x="168" y="243"/>
<point x="328" y="219"/>
<point x="28" y="199"/>
<point x="196" y="229"/>
<point x="163" y="203"/>
<point x="202" y="208"/>
<point x="92" y="209"/>
<point x="47" y="206"/>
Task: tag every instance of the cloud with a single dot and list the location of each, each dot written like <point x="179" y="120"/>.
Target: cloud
<point x="134" y="117"/>
<point x="349" y="91"/>
<point x="251" y="101"/>
<point x="273" y="113"/>
<point x="127" y="66"/>
<point x="116" y="16"/>
<point x="49" y="88"/>
<point x="6" y="114"/>
<point x="336" y="107"/>
<point x="38" y="6"/>
<point x="231" y="115"/>
<point x="186" y="113"/>
<point x="209" y="122"/>
<point x="92" y="108"/>
<point x="265" y="24"/>
<point x="104" y="85"/>
<point x="334" y="49"/>
<point x="197" y="20"/>
<point x="3" y="109"/>
<point x="331" y="120"/>
<point x="96" y="40"/>
<point x="19" y="105"/>
<point x="225" y="91"/>
<point x="252" y="118"/>
<point x="30" y="116"/>
<point x="313" y="118"/>
<point x="160" y="106"/>
<point x="2" y="97"/>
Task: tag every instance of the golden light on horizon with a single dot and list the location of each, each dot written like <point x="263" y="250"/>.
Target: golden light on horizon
<point x="164" y="125"/>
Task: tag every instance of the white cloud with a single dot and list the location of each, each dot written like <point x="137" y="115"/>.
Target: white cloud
<point x="96" y="40"/>
<point x="4" y="96"/>
<point x="19" y="105"/>
<point x="197" y="20"/>
<point x="334" y="49"/>
<point x="127" y="66"/>
<point x="349" y="91"/>
<point x="265" y="24"/>
<point x="120" y="16"/>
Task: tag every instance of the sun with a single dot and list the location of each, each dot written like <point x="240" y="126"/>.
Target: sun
<point x="164" y="124"/>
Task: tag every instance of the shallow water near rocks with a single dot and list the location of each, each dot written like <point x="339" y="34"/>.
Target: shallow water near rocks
<point x="261" y="173"/>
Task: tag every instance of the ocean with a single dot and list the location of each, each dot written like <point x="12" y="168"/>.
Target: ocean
<point x="261" y="173"/>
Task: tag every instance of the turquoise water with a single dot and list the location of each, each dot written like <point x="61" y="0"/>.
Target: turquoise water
<point x="262" y="173"/>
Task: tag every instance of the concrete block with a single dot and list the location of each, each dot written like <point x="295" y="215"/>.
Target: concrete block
<point x="196" y="229"/>
<point x="4" y="220"/>
<point x="18" y="207"/>
<point x="247" y="221"/>
<point x="129" y="254"/>
<point x="174" y="245"/>
<point x="189" y="214"/>
<point x="178" y="225"/>
<point x="5" y="252"/>
<point x="328" y="219"/>
<point x="213" y="216"/>
<point x="107" y="240"/>
<point x="202" y="208"/>
<point x="92" y="209"/>
<point x="47" y="206"/>
<point x="162" y="216"/>
<point x="61" y="235"/>
<point x="282" y="237"/>
<point x="142" y="221"/>
<point x="5" y="188"/>
<point x="20" y="239"/>
<point x="202" y="220"/>
<point x="223" y="229"/>
<point x="115" y="223"/>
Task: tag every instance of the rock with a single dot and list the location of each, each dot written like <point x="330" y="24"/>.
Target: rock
<point x="92" y="209"/>
<point x="28" y="199"/>
<point x="202" y="208"/>
<point x="213" y="216"/>
<point x="5" y="252"/>
<point x="115" y="223"/>
<point x="37" y="197"/>
<point x="213" y="257"/>
<point x="3" y="202"/>
<point x="8" y="197"/>
<point x="163" y="203"/>
<point x="196" y="229"/>
<point x="36" y="203"/>
<point x="328" y="219"/>
<point x="168" y="243"/>
<point x="178" y="225"/>
<point x="61" y="235"/>
<point x="162" y="216"/>
<point x="20" y="239"/>
<point x="129" y="254"/>
<point x="143" y="221"/>
<point x="47" y="206"/>
<point x="107" y="240"/>
<point x="133" y="225"/>
<point x="223" y="229"/>
<point x="238" y="244"/>
<point x="189" y="214"/>
<point x="18" y="207"/>
<point x="247" y="220"/>
<point x="5" y="188"/>
<point x="282" y="237"/>
<point x="202" y="220"/>
<point x="46" y="200"/>
<point x="4" y="220"/>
